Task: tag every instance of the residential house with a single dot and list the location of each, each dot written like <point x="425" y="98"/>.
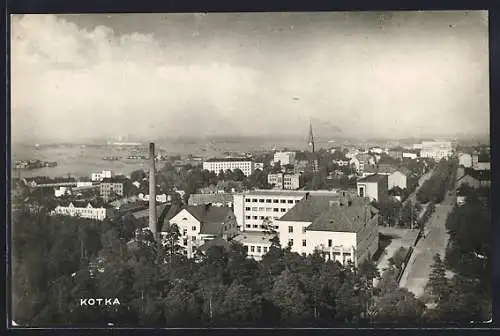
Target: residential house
<point x="436" y="150"/>
<point x="284" y="181"/>
<point x="202" y="223"/>
<point x="482" y="162"/>
<point x="410" y="155"/>
<point x="284" y="158"/>
<point x="344" y="229"/>
<point x="61" y="191"/>
<point x="374" y="187"/>
<point x="112" y="187"/>
<point x="98" y="177"/>
<point x="475" y="178"/>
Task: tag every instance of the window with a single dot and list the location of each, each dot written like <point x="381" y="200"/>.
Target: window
<point x="247" y="208"/>
<point x="276" y="210"/>
<point x="246" y="248"/>
<point x="290" y="229"/>
<point x="254" y="209"/>
<point x="261" y="209"/>
<point x="254" y="200"/>
<point x="259" y="249"/>
<point x="248" y="217"/>
<point x="297" y="201"/>
<point x="184" y="232"/>
<point x="290" y="201"/>
<point x="261" y="217"/>
<point x="330" y="243"/>
<point x="304" y="243"/>
<point x="290" y="242"/>
<point x="269" y="209"/>
<point x="283" y="210"/>
<point x="304" y="229"/>
<point x="265" y="249"/>
<point x="193" y="238"/>
<point x="247" y="200"/>
<point x="252" y="248"/>
<point x="268" y="200"/>
<point x="261" y="200"/>
<point x="255" y="217"/>
<point x="193" y="228"/>
<point x="255" y="226"/>
<point x="248" y="226"/>
<point x="184" y="218"/>
<point x="283" y="201"/>
<point x="185" y="242"/>
<point x="275" y="201"/>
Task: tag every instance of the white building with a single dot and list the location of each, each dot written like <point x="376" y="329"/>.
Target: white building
<point x="284" y="158"/>
<point x="436" y="150"/>
<point x="256" y="243"/>
<point x="346" y="230"/>
<point x="246" y="165"/>
<point x="374" y="187"/>
<point x="84" y="210"/>
<point x="97" y="177"/>
<point x="58" y="192"/>
<point x="284" y="181"/>
<point x="252" y="208"/>
<point x="376" y="150"/>
<point x="465" y="160"/>
<point x="200" y="224"/>
<point x="408" y="155"/>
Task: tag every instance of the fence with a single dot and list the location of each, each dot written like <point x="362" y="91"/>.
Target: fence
<point x="405" y="263"/>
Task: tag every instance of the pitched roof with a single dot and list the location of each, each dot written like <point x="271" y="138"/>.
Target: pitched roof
<point x="344" y="218"/>
<point x="144" y="213"/>
<point x="374" y="178"/>
<point x="308" y="208"/>
<point x="81" y="203"/>
<point x="480" y="175"/>
<point x="216" y="242"/>
<point x="114" y="179"/>
<point x="209" y="214"/>
<point x="229" y="160"/>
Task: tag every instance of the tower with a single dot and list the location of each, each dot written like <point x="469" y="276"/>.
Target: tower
<point x="152" y="191"/>
<point x="313" y="161"/>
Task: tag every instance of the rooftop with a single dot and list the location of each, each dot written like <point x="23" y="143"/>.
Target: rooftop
<point x="209" y="198"/>
<point x="480" y="175"/>
<point x="114" y="179"/>
<point x="253" y="237"/>
<point x="82" y="203"/>
<point x="309" y="208"/>
<point x="344" y="218"/>
<point x="271" y="192"/>
<point x="229" y="160"/>
<point x="374" y="178"/>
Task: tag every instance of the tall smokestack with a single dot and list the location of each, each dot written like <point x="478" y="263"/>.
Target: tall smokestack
<point x="152" y="190"/>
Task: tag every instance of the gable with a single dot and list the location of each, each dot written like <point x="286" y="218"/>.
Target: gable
<point x="184" y="216"/>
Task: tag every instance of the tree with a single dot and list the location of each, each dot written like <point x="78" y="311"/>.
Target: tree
<point x="238" y="175"/>
<point x="171" y="242"/>
<point x="138" y="175"/>
<point x="399" y="306"/>
<point x="180" y="307"/>
<point x="240" y="306"/>
<point x="438" y="283"/>
<point x="288" y="294"/>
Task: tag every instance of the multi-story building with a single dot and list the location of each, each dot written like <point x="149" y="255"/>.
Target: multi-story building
<point x="284" y="158"/>
<point x="200" y="224"/>
<point x="254" y="208"/>
<point x="259" y="165"/>
<point x="395" y="153"/>
<point x="84" y="209"/>
<point x="246" y="165"/>
<point x="97" y="177"/>
<point x="436" y="150"/>
<point x="284" y="181"/>
<point x="396" y="177"/>
<point x="344" y="229"/>
<point x="481" y="162"/>
<point x="409" y="155"/>
<point x="111" y="187"/>
<point x="374" y="187"/>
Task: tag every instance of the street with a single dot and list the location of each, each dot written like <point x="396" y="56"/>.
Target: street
<point x="419" y="265"/>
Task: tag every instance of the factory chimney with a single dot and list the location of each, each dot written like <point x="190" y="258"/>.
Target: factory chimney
<point x="152" y="191"/>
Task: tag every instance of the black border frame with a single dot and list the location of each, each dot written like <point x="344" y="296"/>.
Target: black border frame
<point x="149" y="6"/>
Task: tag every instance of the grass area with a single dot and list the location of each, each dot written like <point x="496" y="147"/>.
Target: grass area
<point x="383" y="242"/>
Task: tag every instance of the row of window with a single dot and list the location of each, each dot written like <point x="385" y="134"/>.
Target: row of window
<point x="258" y="249"/>
<point x="261" y="200"/>
<point x="304" y="242"/>
<point x="260" y="217"/>
<point x="185" y="240"/>
<point x="266" y="209"/>
<point x="256" y="226"/>
<point x="290" y="229"/>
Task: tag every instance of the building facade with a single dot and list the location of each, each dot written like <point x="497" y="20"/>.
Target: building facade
<point x="257" y="244"/>
<point x="253" y="209"/>
<point x="374" y="187"/>
<point x="200" y="224"/>
<point x="97" y="177"/>
<point x="84" y="210"/>
<point x="409" y="155"/>
<point x="284" y="158"/>
<point x="219" y="199"/>
<point x="111" y="187"/>
<point x="284" y="181"/>
<point x="216" y="165"/>
<point x="345" y="230"/>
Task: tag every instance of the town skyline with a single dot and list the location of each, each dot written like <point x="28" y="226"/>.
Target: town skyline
<point x="348" y="71"/>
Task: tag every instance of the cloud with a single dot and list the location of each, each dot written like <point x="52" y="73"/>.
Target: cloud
<point x="68" y="81"/>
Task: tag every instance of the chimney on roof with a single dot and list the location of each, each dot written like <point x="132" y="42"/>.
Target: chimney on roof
<point x="152" y="190"/>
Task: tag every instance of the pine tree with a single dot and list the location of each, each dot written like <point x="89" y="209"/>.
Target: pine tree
<point x="438" y="285"/>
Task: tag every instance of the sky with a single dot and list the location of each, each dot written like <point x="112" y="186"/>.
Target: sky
<point x="372" y="74"/>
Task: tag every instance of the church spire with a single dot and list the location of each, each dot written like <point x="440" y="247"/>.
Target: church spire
<point x="311" y="136"/>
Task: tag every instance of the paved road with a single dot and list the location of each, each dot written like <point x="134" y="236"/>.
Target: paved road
<point x="423" y="178"/>
<point x="420" y="263"/>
